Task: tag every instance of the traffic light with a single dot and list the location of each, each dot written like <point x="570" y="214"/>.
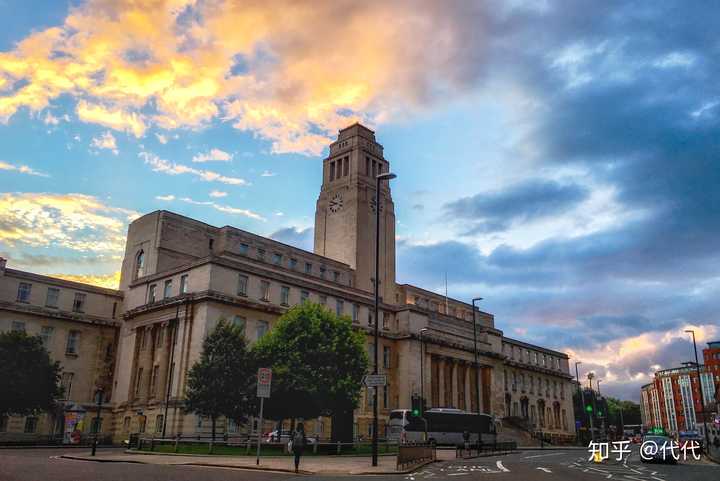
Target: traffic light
<point x="588" y="408"/>
<point x="599" y="414"/>
<point x="416" y="406"/>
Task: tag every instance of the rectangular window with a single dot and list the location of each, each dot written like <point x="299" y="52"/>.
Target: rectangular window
<point x="532" y="385"/>
<point x="355" y="309"/>
<point x="336" y="276"/>
<point x="261" y="329"/>
<point x="66" y="384"/>
<point x="23" y="294"/>
<point x="17" y="326"/>
<point x="159" y="420"/>
<point x="126" y="424"/>
<point x="261" y="254"/>
<point x="386" y="357"/>
<point x="332" y="171"/>
<point x="79" y="302"/>
<point x="183" y="284"/>
<point x="322" y="272"/>
<point x="264" y="290"/>
<point x="46" y="333"/>
<point x="535" y="360"/>
<point x="153" y="379"/>
<point x="308" y="268"/>
<point x="277" y="259"/>
<point x="73" y="343"/>
<point x="141" y="423"/>
<point x="159" y="336"/>
<point x="30" y="424"/>
<point x="167" y="289"/>
<point x="339" y="307"/>
<point x="293" y="264"/>
<point x="138" y="382"/>
<point x="370" y="317"/>
<point x="304" y="296"/>
<point x="285" y="295"/>
<point x="152" y="293"/>
<point x="244" y="248"/>
<point x="384" y="319"/>
<point x="53" y="294"/>
<point x="374" y="169"/>
<point x="346" y="166"/>
<point x="242" y="285"/>
<point x="367" y="166"/>
<point x="239" y="322"/>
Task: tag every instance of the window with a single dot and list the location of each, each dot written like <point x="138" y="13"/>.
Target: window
<point x="183" y="284"/>
<point x="140" y="264"/>
<point x="239" y="322"/>
<point x="114" y="310"/>
<point x="371" y="356"/>
<point x="277" y="259"/>
<point x="339" y="307"/>
<point x="322" y="272"/>
<point x="3" y="424"/>
<point x="261" y="329"/>
<point x="46" y="333"/>
<point x="532" y="385"/>
<point x="153" y="379"/>
<point x="323" y="300"/>
<point x="355" y="309"/>
<point x="23" y="294"/>
<point x="242" y="285"/>
<point x="244" y="248"/>
<point x="367" y="165"/>
<point x="346" y="166"/>
<point x="17" y="326"/>
<point x="138" y="382"/>
<point x="384" y="319"/>
<point x="386" y="357"/>
<point x="535" y="359"/>
<point x="293" y="264"/>
<point x="73" y="343"/>
<point x="167" y="289"/>
<point x="261" y="254"/>
<point x="152" y="293"/>
<point x="332" y="171"/>
<point x="336" y="276"/>
<point x="53" y="294"/>
<point x="284" y="295"/>
<point x="370" y="318"/>
<point x="126" y="424"/>
<point x="30" y="424"/>
<point x="143" y="338"/>
<point x="304" y="296"/>
<point x="547" y="387"/>
<point x="555" y="389"/>
<point x="66" y="384"/>
<point x="264" y="291"/>
<point x="514" y="381"/>
<point x="557" y="363"/>
<point x="308" y="268"/>
<point x="232" y="426"/>
<point x="96" y="425"/>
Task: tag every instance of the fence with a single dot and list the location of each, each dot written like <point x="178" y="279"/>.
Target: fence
<point x="491" y="449"/>
<point x="410" y="455"/>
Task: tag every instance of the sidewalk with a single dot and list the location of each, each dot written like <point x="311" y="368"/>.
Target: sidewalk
<point x="308" y="465"/>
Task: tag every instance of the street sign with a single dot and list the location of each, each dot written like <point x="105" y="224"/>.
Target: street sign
<point x="375" y="380"/>
<point x="264" y="377"/>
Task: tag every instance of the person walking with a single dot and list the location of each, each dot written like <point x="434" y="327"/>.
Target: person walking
<point x="298" y="444"/>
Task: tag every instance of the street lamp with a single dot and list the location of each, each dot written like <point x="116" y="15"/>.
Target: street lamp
<point x="477" y="369"/>
<point x="702" y="393"/>
<point x="582" y="398"/>
<point x="99" y="397"/>
<point x="378" y="179"/>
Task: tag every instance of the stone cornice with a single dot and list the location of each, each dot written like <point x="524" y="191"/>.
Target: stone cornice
<point x="542" y="370"/>
<point x="58" y="314"/>
<point x="63" y="283"/>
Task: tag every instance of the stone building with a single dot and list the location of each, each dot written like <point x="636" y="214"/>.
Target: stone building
<point x="78" y="325"/>
<point x="180" y="277"/>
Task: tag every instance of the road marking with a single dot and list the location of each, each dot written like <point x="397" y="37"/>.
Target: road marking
<point x="502" y="468"/>
<point x="542" y="455"/>
<point x="544" y="469"/>
<point x="608" y="476"/>
<point x="457" y="474"/>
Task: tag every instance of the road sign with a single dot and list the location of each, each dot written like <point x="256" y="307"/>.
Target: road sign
<point x="375" y="380"/>
<point x="264" y="377"/>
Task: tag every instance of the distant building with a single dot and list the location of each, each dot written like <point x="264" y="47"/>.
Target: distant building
<point x="180" y="276"/>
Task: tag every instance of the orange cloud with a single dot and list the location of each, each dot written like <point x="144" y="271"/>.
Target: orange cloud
<point x="292" y="72"/>
<point x="110" y="281"/>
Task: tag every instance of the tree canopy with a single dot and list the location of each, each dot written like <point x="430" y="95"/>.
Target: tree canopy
<point x="29" y="378"/>
<point x="222" y="381"/>
<point x="318" y="361"/>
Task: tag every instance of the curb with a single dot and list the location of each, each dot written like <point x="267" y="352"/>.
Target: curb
<point x="101" y="460"/>
<point x="386" y="473"/>
<point x="252" y="455"/>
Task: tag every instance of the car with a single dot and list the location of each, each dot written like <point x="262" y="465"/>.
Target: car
<point x="663" y="450"/>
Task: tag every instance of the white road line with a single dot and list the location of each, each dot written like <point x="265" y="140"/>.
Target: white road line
<point x="608" y="476"/>
<point x="542" y="455"/>
<point x="659" y="479"/>
<point x="502" y="468"/>
<point x="457" y="474"/>
<point x="544" y="469"/>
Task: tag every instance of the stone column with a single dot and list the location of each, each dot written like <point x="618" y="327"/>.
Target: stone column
<point x="441" y="382"/>
<point x="469" y="394"/>
<point x="453" y="376"/>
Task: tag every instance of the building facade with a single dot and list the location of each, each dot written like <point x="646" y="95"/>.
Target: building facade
<point x="180" y="276"/>
<point x="673" y="401"/>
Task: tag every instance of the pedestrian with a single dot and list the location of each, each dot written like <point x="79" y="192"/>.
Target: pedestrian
<point x="298" y="444"/>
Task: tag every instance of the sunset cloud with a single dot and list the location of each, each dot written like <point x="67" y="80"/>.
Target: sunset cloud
<point x="213" y="155"/>
<point x="109" y="281"/>
<point x="23" y="169"/>
<point x="105" y="141"/>
<point x="171" y="168"/>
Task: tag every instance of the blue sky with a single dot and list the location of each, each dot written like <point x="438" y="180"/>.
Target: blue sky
<point x="560" y="161"/>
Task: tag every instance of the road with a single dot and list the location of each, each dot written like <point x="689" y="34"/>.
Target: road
<point x="44" y="465"/>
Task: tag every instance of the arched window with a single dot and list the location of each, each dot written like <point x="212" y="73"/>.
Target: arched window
<point x="140" y="264"/>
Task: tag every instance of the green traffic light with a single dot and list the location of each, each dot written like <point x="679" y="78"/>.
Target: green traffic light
<point x="588" y="409"/>
<point x="416" y="412"/>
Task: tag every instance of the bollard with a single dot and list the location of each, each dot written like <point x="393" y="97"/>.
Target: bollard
<point x="177" y="442"/>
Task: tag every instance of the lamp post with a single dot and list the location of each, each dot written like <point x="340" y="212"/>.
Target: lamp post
<point x="582" y="395"/>
<point x="378" y="179"/>
<point x="702" y="393"/>
<point x="602" y="418"/>
<point x="99" y="397"/>
<point x="591" y="414"/>
<point x="477" y="368"/>
<point x="422" y="372"/>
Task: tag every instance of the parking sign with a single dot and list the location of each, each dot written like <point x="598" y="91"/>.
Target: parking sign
<point x="264" y="377"/>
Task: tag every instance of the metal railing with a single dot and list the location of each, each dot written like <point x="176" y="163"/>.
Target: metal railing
<point x="410" y="455"/>
<point x="486" y="448"/>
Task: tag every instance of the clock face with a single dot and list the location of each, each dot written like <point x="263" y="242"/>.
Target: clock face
<point x="336" y="202"/>
<point x="373" y="204"/>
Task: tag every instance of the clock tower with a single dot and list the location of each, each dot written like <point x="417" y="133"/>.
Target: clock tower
<point x="345" y="212"/>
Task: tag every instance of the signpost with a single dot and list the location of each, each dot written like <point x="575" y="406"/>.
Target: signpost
<point x="264" y="377"/>
<point x="375" y="380"/>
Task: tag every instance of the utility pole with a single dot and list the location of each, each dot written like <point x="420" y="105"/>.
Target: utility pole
<point x="582" y="396"/>
<point x="702" y="393"/>
<point x="591" y="414"/>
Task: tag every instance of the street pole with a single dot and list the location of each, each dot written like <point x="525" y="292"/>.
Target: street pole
<point x="592" y="414"/>
<point x="582" y="394"/>
<point x="422" y="380"/>
<point x="602" y="418"/>
<point x="702" y="393"/>
<point x="477" y="368"/>
<point x="99" y="394"/>
<point x="384" y="176"/>
<point x="259" y="432"/>
<point x="173" y="334"/>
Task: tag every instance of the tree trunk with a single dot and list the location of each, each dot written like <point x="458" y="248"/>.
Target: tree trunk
<point x="214" y="419"/>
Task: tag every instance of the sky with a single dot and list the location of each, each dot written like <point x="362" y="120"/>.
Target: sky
<point x="559" y="159"/>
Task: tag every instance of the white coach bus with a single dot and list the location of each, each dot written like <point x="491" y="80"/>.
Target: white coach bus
<point x="444" y="426"/>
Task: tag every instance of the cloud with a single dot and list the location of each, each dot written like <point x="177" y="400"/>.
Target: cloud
<point x="267" y="173"/>
<point x="295" y="236"/>
<point x="109" y="281"/>
<point x="260" y="66"/>
<point x="168" y="197"/>
<point x="23" y="169"/>
<point x="213" y="155"/>
<point x="217" y="194"/>
<point x="161" y="138"/>
<point x="219" y="207"/>
<point x="50" y="119"/>
<point x="105" y="141"/>
<point x="72" y="221"/>
<point x="26" y="260"/>
<point x="161" y="165"/>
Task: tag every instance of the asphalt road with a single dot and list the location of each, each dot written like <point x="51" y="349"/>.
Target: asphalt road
<point x="44" y="465"/>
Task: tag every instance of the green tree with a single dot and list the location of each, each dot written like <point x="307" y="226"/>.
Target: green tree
<point x="222" y="381"/>
<point x="29" y="378"/>
<point x="318" y="361"/>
